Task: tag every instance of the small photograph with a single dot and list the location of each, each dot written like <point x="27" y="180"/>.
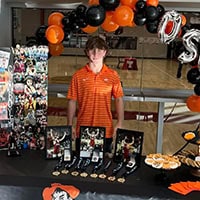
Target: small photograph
<point x="58" y="142"/>
<point x="128" y="146"/>
<point x="92" y="142"/>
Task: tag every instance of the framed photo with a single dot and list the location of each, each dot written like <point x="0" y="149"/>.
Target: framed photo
<point x="59" y="142"/>
<point x="92" y="140"/>
<point x="128" y="146"/>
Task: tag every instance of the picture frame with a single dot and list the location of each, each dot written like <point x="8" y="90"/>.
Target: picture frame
<point x="59" y="142"/>
<point x="128" y="146"/>
<point x="92" y="142"/>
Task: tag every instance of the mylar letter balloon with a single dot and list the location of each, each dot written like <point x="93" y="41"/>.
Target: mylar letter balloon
<point x="54" y="34"/>
<point x="123" y="16"/>
<point x="56" y="49"/>
<point x="55" y="18"/>
<point x="190" y="40"/>
<point x="109" y="4"/>
<point x="176" y="19"/>
<point x="95" y="15"/>
<point x="109" y="25"/>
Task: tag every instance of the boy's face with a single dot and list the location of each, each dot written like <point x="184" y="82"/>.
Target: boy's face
<point x="96" y="54"/>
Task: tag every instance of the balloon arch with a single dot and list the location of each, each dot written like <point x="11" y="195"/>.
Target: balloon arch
<point x="113" y="15"/>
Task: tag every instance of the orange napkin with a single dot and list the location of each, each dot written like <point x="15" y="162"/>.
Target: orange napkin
<point x="185" y="187"/>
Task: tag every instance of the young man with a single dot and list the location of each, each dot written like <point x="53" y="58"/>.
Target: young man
<point x="92" y="88"/>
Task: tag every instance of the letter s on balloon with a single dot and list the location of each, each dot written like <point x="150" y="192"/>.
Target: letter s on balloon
<point x="192" y="50"/>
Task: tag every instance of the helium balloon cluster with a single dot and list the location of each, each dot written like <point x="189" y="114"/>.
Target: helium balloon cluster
<point x="113" y="15"/>
<point x="110" y="15"/>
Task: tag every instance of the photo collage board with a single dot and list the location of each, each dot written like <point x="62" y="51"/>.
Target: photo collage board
<point x="29" y="87"/>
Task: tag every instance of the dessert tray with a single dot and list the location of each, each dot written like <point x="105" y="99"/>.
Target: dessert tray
<point x="187" y="157"/>
<point x="160" y="161"/>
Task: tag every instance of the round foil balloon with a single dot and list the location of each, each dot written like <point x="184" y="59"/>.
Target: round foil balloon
<point x="95" y="15"/>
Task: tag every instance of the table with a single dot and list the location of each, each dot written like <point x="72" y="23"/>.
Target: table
<point x="26" y="176"/>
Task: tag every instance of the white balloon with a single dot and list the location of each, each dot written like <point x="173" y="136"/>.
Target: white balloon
<point x="177" y="22"/>
<point x="192" y="50"/>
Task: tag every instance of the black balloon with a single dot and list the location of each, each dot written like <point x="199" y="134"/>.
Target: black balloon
<point x="109" y="4"/>
<point x="152" y="27"/>
<point x="40" y="35"/>
<point x="119" y="31"/>
<point x="95" y="15"/>
<point x="193" y="75"/>
<point x="139" y="19"/>
<point x="197" y="89"/>
<point x="72" y="16"/>
<point x="68" y="35"/>
<point x="161" y="10"/>
<point x="178" y="48"/>
<point x="82" y="22"/>
<point x="81" y="9"/>
<point x="151" y="13"/>
<point x="185" y="29"/>
<point x="140" y="6"/>
<point x="66" y="21"/>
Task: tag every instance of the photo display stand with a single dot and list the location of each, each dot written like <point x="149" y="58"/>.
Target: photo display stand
<point x="128" y="146"/>
<point x="92" y="142"/>
<point x="59" y="142"/>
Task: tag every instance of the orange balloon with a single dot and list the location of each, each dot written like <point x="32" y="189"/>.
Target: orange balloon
<point x="184" y="20"/>
<point x="89" y="29"/>
<point x="152" y="3"/>
<point x="54" y="34"/>
<point x="109" y="25"/>
<point x="55" y="49"/>
<point x="129" y="3"/>
<point x="93" y="2"/>
<point x="123" y="16"/>
<point x="55" y="18"/>
<point x="193" y="103"/>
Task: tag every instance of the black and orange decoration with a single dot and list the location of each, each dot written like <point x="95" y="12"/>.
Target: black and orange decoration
<point x="113" y="15"/>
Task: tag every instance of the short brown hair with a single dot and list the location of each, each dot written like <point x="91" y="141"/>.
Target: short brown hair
<point x="96" y="42"/>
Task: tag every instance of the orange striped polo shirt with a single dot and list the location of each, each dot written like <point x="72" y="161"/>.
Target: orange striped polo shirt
<point x="94" y="93"/>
